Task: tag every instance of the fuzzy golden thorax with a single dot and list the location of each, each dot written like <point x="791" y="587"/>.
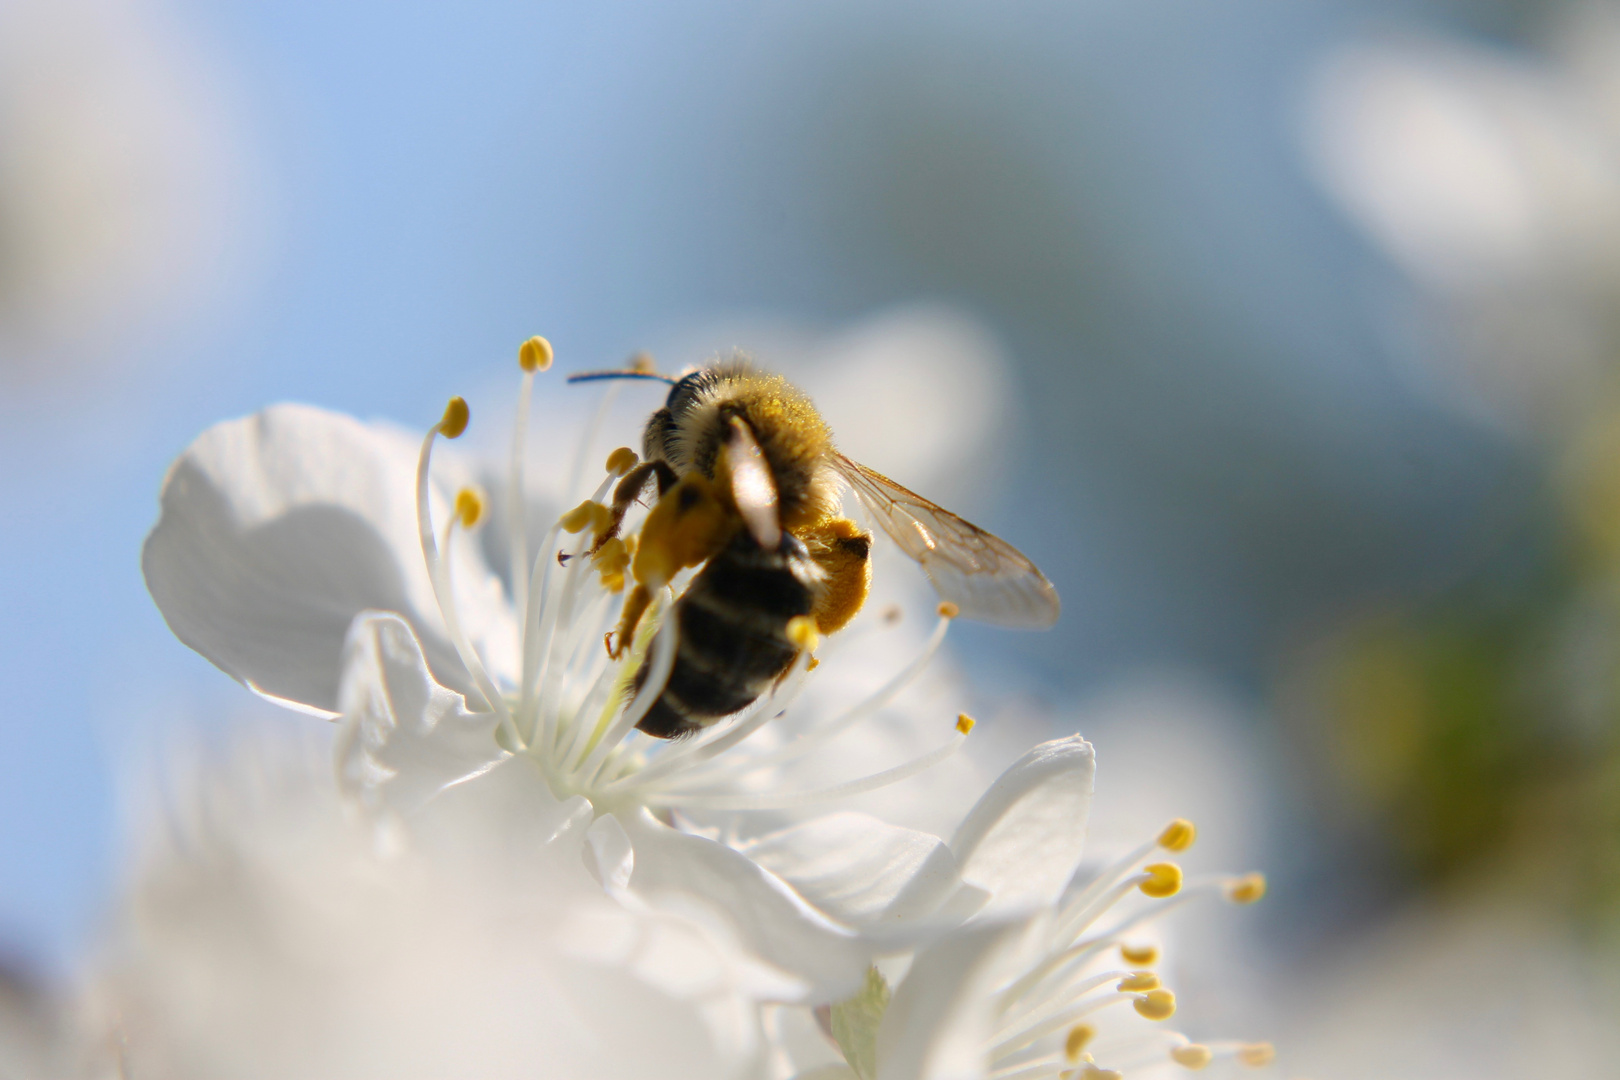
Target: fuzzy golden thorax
<point x="792" y="435"/>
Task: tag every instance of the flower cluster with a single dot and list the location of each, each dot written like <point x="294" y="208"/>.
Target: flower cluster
<point x="507" y="877"/>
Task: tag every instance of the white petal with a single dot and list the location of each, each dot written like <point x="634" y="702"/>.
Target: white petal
<point x="939" y="1024"/>
<point x="1023" y="839"/>
<point x="278" y="529"/>
<point x="405" y="738"/>
<point x="608" y="854"/>
<point x="770" y="918"/>
<point x="860" y="870"/>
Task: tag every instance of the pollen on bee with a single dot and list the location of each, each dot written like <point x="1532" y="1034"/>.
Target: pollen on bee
<point x="948" y="610"/>
<point x="1163" y="879"/>
<point x="621" y="461"/>
<point x="454" y="420"/>
<point x="1140" y="955"/>
<point x="1078" y="1037"/>
<point x="535" y="354"/>
<point x="1156" y="1005"/>
<point x="1257" y="1055"/>
<point x="469" y="507"/>
<point x="964" y="723"/>
<point x="1192" y="1055"/>
<point x="1247" y="889"/>
<point x="801" y="630"/>
<point x="1178" y="835"/>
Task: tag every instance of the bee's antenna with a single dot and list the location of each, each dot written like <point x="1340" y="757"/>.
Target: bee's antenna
<point x="624" y="373"/>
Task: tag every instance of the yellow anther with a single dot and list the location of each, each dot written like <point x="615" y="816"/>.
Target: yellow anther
<point x="1140" y="955"/>
<point x="621" y="461"/>
<point x="1138" y="981"/>
<point x="1178" y="835"/>
<point x="964" y="723"/>
<point x="643" y="362"/>
<point x="1247" y="889"/>
<point x="586" y="515"/>
<point x="1079" y="1036"/>
<point x="469" y="507"/>
<point x="1097" y="1072"/>
<point x="1164" y="879"/>
<point x="801" y="630"/>
<point x="1257" y="1055"/>
<point x="1156" y="1005"/>
<point x="948" y="610"/>
<point x="1192" y="1056"/>
<point x="454" y="420"/>
<point x="535" y="354"/>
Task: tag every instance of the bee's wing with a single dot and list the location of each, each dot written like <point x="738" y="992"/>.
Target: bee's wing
<point x="983" y="575"/>
<point x="753" y="488"/>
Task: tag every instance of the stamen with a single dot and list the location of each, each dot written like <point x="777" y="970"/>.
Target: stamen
<point x="1079" y="1036"/>
<point x="801" y="631"/>
<point x="1139" y="980"/>
<point x="786" y="800"/>
<point x="1247" y="889"/>
<point x="1178" y="835"/>
<point x="1257" y="1055"/>
<point x="948" y="610"/>
<point x="535" y="355"/>
<point x="517" y="525"/>
<point x="1164" y="879"/>
<point x="1156" y="1005"/>
<point x="1192" y="1056"/>
<point x="453" y="423"/>
<point x="1096" y="1072"/>
<point x="622" y="461"/>
<point x="1140" y="955"/>
<point x="469" y="508"/>
<point x="1057" y="1023"/>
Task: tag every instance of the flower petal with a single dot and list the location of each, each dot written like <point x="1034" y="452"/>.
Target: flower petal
<point x="405" y="738"/>
<point x="1023" y="838"/>
<point x="770" y="918"/>
<point x="938" y="1025"/>
<point x="859" y="870"/>
<point x="278" y="529"/>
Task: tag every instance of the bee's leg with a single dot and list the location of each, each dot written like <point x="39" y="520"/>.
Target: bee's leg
<point x="843" y="552"/>
<point x="689" y="524"/>
<point x="627" y="491"/>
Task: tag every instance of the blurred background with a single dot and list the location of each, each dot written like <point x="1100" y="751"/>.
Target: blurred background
<point x="1296" y="324"/>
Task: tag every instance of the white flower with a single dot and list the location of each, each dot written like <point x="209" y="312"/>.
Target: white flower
<point x="1044" y="981"/>
<point x="269" y="933"/>
<point x="316" y="559"/>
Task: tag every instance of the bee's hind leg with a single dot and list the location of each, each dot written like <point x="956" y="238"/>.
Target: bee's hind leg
<point x="843" y="551"/>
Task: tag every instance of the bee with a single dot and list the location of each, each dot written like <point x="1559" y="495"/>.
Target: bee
<point x="750" y="487"/>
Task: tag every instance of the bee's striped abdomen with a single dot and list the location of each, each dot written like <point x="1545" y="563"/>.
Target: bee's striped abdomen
<point x="733" y="634"/>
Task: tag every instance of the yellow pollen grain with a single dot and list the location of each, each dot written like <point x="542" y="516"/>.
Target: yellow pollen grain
<point x="1247" y="889"/>
<point x="535" y="354"/>
<point x="469" y="507"/>
<point x="1257" y="1055"/>
<point x="1137" y="981"/>
<point x="1079" y="1036"/>
<point x="1192" y="1056"/>
<point x="1156" y="1005"/>
<point x="1178" y="835"/>
<point x="621" y="461"/>
<point x="801" y="630"/>
<point x="1164" y="879"/>
<point x="948" y="610"/>
<point x="813" y="664"/>
<point x="1140" y="955"/>
<point x="964" y="723"/>
<point x="643" y="362"/>
<point x="454" y="420"/>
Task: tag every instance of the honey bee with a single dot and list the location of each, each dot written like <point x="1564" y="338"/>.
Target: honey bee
<point x="750" y="487"/>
